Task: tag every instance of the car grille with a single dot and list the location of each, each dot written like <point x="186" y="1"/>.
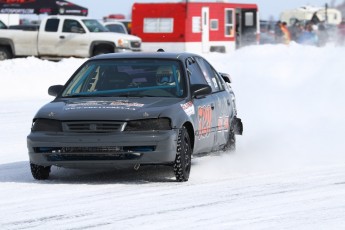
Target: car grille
<point x="92" y="127"/>
<point x="135" y="44"/>
<point x="113" y="153"/>
<point x="92" y="157"/>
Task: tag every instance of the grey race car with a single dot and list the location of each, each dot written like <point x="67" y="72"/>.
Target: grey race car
<point x="131" y="109"/>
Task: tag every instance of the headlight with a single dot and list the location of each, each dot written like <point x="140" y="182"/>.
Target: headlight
<point x="123" y="43"/>
<point x="50" y="125"/>
<point x="149" y="124"/>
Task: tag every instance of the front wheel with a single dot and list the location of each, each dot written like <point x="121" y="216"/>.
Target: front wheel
<point x="40" y="172"/>
<point x="5" y="54"/>
<point x="182" y="164"/>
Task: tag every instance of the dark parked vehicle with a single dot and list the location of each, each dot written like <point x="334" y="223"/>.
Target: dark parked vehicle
<point x="133" y="109"/>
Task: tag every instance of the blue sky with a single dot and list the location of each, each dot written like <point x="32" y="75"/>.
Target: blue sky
<point x="100" y="8"/>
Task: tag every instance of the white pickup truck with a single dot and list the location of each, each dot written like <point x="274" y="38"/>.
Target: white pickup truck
<point x="64" y="36"/>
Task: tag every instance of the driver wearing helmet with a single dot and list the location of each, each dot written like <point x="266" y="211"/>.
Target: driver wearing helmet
<point x="165" y="75"/>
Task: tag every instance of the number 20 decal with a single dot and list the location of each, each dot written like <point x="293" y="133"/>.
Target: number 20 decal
<point x="205" y="121"/>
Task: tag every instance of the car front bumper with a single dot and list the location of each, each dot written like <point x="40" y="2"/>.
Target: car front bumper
<point x="101" y="150"/>
<point x="126" y="49"/>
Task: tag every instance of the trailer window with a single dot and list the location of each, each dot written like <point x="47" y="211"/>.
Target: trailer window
<point x="158" y="25"/>
<point x="229" y="23"/>
<point x="249" y="19"/>
<point x="196" y="24"/>
<point x="214" y="24"/>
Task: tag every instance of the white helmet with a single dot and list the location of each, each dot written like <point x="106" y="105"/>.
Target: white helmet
<point x="165" y="75"/>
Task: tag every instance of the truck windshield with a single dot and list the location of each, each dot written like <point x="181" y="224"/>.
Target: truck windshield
<point x="94" y="26"/>
<point x="128" y="78"/>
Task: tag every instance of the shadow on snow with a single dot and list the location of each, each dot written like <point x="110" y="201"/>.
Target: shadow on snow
<point x="19" y="172"/>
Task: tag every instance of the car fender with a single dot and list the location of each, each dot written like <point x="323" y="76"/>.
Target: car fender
<point x="182" y="114"/>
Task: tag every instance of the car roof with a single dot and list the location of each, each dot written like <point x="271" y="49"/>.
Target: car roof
<point x="113" y="22"/>
<point x="129" y="55"/>
<point x="69" y="17"/>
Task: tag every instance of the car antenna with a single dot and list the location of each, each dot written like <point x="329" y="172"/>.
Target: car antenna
<point x="160" y="50"/>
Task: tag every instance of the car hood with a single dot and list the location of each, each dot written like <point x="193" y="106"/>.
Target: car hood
<point x="107" y="108"/>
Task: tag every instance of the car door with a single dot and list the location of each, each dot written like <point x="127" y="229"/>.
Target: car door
<point x="222" y="103"/>
<point x="64" y="37"/>
<point x="246" y="26"/>
<point x="74" y="40"/>
<point x="48" y="38"/>
<point x="205" y="116"/>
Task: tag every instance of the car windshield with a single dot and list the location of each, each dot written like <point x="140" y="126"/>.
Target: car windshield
<point x="128" y="78"/>
<point x="94" y="26"/>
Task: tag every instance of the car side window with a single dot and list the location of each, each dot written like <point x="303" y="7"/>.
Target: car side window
<point x="195" y="74"/>
<point x="52" y="25"/>
<point x="72" y="26"/>
<point x="220" y="80"/>
<point x="210" y="75"/>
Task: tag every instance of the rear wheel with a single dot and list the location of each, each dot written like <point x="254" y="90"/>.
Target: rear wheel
<point x="182" y="164"/>
<point x="40" y="172"/>
<point x="5" y="54"/>
<point x="231" y="144"/>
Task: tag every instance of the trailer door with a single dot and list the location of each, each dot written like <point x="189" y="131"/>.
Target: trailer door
<point x="205" y="29"/>
<point x="246" y="27"/>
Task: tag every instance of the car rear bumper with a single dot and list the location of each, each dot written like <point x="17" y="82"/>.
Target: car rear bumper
<point x="102" y="150"/>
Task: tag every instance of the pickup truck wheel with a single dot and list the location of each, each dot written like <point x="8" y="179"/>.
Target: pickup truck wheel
<point x="182" y="164"/>
<point x="99" y="51"/>
<point x="40" y="172"/>
<point x="5" y="54"/>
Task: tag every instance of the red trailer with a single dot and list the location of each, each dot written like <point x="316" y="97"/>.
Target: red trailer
<point x="195" y="26"/>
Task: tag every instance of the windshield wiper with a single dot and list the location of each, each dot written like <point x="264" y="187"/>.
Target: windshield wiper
<point x="86" y="95"/>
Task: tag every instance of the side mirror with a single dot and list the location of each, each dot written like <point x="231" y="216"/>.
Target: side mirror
<point x="201" y="90"/>
<point x="226" y="77"/>
<point x="55" y="90"/>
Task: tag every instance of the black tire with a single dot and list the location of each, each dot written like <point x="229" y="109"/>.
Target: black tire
<point x="182" y="164"/>
<point x="99" y="51"/>
<point x="5" y="54"/>
<point x="231" y="144"/>
<point x="40" y="172"/>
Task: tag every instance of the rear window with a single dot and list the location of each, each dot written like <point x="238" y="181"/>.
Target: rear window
<point x="52" y="25"/>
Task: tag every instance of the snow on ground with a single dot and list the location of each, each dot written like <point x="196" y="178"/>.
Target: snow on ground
<point x="288" y="171"/>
